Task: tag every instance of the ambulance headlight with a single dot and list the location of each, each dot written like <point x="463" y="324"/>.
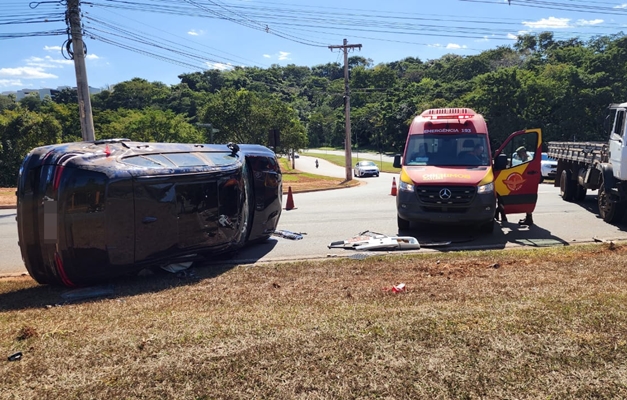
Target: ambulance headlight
<point x="489" y="188"/>
<point x="406" y="187"/>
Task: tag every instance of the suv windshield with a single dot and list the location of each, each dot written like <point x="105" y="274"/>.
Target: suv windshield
<point x="462" y="150"/>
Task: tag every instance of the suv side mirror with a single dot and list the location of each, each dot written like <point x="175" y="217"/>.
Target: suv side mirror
<point x="397" y="161"/>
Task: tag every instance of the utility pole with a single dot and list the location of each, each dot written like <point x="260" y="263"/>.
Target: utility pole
<point x="73" y="18"/>
<point x="347" y="108"/>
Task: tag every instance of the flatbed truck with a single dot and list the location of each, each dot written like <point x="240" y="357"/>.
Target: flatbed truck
<point x="598" y="166"/>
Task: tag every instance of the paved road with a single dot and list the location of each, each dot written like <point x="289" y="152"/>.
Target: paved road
<point x="340" y="214"/>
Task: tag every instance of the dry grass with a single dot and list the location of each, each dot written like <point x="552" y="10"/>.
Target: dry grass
<point x="7" y="196"/>
<point x="549" y="323"/>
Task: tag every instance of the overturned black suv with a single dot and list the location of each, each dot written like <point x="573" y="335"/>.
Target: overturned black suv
<point x="89" y="211"/>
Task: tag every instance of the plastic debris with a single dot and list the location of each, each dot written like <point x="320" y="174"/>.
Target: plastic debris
<point x="368" y="240"/>
<point x="177" y="267"/>
<point x="398" y="288"/>
<point x="289" y="234"/>
<point x="15" y="357"/>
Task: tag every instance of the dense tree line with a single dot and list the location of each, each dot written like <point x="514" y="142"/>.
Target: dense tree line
<point x="561" y="86"/>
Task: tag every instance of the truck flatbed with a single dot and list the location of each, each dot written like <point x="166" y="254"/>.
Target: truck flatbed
<point x="588" y="153"/>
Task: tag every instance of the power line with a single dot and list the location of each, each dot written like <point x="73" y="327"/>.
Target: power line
<point x="234" y="56"/>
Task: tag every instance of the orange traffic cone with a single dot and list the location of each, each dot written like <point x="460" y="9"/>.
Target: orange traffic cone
<point x="290" y="200"/>
<point x="393" y="187"/>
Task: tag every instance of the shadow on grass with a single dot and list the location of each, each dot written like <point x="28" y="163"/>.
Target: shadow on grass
<point x="29" y="295"/>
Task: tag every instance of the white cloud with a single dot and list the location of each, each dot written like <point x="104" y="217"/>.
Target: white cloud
<point x="583" y="22"/>
<point x="25" y="73"/>
<point x="450" y="46"/>
<point x="267" y="56"/>
<point x="512" y="36"/>
<point x="10" y="82"/>
<point x="549" y="23"/>
<point x="92" y="57"/>
<point x="621" y="6"/>
<point x="47" y="62"/>
<point x="52" y="48"/>
<point x="195" y="32"/>
<point x="219" y="66"/>
<point x="284" y="55"/>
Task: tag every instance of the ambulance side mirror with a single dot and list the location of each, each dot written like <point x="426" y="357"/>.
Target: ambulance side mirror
<point x="397" y="161"/>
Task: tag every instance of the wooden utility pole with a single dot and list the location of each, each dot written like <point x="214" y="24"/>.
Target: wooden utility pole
<point x="347" y="108"/>
<point x="73" y="18"/>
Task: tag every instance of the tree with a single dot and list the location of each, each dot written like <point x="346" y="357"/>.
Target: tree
<point x="136" y="94"/>
<point x="245" y="117"/>
<point x="21" y="130"/>
<point x="7" y="102"/>
<point x="148" y="125"/>
<point x="31" y="101"/>
<point x="66" y="96"/>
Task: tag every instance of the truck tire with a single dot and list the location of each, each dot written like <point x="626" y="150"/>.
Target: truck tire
<point x="567" y="186"/>
<point x="403" y="224"/>
<point x="610" y="212"/>
<point x="580" y="193"/>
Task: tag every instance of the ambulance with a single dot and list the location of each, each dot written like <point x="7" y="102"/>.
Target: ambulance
<point x="449" y="176"/>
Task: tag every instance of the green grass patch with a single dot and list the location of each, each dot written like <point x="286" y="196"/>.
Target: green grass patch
<point x="384" y="166"/>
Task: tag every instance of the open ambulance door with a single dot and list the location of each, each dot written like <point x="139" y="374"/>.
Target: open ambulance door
<point x="517" y="171"/>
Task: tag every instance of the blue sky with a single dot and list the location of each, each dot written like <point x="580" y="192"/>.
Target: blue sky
<point x="160" y="39"/>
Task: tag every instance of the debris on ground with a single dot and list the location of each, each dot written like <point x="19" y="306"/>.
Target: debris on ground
<point x="368" y="240"/>
<point x="88" y="293"/>
<point x="396" y="288"/>
<point x="289" y="234"/>
<point x="177" y="267"/>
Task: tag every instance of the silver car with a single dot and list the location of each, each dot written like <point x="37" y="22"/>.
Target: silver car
<point x="366" y="168"/>
<point x="548" y="167"/>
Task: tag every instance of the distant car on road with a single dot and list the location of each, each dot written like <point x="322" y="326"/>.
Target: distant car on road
<point x="296" y="155"/>
<point x="548" y="167"/>
<point x="366" y="168"/>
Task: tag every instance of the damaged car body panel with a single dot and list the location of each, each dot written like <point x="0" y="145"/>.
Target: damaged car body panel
<point x="89" y="211"/>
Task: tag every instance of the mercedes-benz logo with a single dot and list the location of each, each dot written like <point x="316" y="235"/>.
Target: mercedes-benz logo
<point x="445" y="194"/>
